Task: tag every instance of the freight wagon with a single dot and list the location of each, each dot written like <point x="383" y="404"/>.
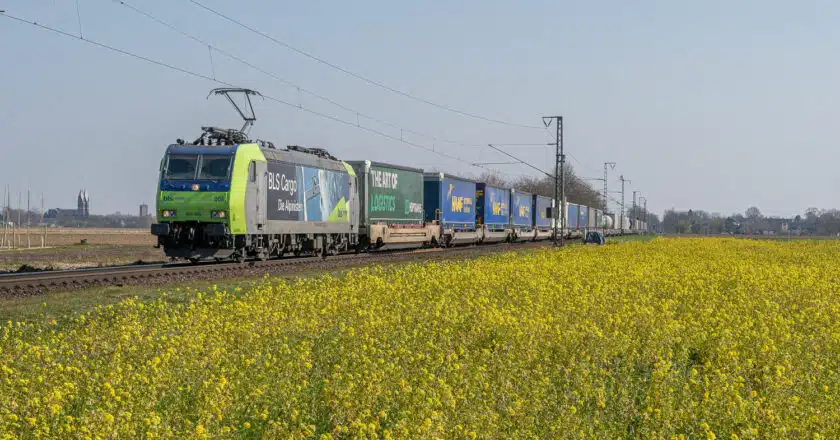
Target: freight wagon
<point x="522" y="215"/>
<point x="572" y="217"/>
<point x="543" y="218"/>
<point x="592" y="223"/>
<point x="391" y="213"/>
<point x="492" y="213"/>
<point x="450" y="202"/>
<point x="625" y="223"/>
<point x="583" y="220"/>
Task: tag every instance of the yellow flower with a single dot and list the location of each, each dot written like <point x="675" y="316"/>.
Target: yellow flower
<point x="666" y="330"/>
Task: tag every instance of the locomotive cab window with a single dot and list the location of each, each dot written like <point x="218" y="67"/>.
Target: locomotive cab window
<point x="252" y="171"/>
<point x="215" y="167"/>
<point x="181" y="167"/>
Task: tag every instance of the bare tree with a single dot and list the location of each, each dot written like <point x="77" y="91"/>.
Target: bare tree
<point x="493" y="178"/>
<point x="753" y="213"/>
<point x="577" y="190"/>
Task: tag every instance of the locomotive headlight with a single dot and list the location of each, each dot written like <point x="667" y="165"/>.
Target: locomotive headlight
<point x="217" y="214"/>
<point x="168" y="213"/>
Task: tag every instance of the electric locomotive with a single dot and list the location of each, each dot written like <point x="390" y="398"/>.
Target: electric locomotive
<point x="225" y="196"/>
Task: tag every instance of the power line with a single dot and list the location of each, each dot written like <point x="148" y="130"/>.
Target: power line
<point x="496" y="163"/>
<point x="524" y="145"/>
<point x="208" y="78"/>
<point x="112" y="48"/>
<point x="354" y="74"/>
<point x="580" y="163"/>
<point x="518" y="160"/>
<point x="238" y="59"/>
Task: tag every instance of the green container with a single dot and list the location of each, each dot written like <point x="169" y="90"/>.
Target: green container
<point x="389" y="194"/>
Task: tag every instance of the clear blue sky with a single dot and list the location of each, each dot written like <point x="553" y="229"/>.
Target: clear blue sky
<point x="714" y="105"/>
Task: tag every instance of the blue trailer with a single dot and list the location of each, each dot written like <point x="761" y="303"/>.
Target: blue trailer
<point x="450" y="201"/>
<point x="492" y="206"/>
<point x="522" y="214"/>
<point x="492" y="210"/>
<point x="583" y="220"/>
<point x="572" y="217"/>
<point x="543" y="222"/>
<point x="542" y="214"/>
<point x="523" y="210"/>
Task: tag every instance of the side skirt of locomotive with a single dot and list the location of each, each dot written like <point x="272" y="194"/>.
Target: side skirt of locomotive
<point x="195" y="241"/>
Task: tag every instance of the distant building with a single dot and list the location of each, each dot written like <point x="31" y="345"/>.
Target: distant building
<point x="144" y="210"/>
<point x="61" y="215"/>
<point x="83" y="205"/>
<point x="81" y="212"/>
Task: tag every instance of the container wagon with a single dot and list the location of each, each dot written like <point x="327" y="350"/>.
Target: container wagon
<point x="607" y="223"/>
<point x="572" y="217"/>
<point x="592" y="222"/>
<point x="449" y="201"/>
<point x="492" y="209"/>
<point x="625" y="223"/>
<point x="583" y="221"/>
<point x="543" y="217"/>
<point x="522" y="215"/>
<point x="391" y="207"/>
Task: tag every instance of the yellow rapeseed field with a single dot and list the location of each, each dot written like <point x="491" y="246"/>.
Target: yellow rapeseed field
<point x="670" y="339"/>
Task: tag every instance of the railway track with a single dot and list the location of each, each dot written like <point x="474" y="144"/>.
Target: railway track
<point x="153" y="275"/>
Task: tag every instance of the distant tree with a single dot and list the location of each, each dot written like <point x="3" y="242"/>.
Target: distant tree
<point x="753" y="213"/>
<point x="535" y="185"/>
<point x="577" y="190"/>
<point x="493" y="178"/>
<point x="732" y="226"/>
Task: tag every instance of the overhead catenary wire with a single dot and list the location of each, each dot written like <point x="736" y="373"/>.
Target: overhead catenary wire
<point x="276" y="77"/>
<point x="354" y="74"/>
<point x="519" y="160"/>
<point x="583" y="165"/>
<point x="225" y="83"/>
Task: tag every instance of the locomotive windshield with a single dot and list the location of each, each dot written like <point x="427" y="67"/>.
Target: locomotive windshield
<point x="181" y="167"/>
<point x="214" y="167"/>
<point x="197" y="167"/>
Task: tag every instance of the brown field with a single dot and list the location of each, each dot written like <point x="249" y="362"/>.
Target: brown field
<point x="104" y="247"/>
<point x="70" y="236"/>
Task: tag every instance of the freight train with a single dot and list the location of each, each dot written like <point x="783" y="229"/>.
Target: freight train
<point x="224" y="196"/>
